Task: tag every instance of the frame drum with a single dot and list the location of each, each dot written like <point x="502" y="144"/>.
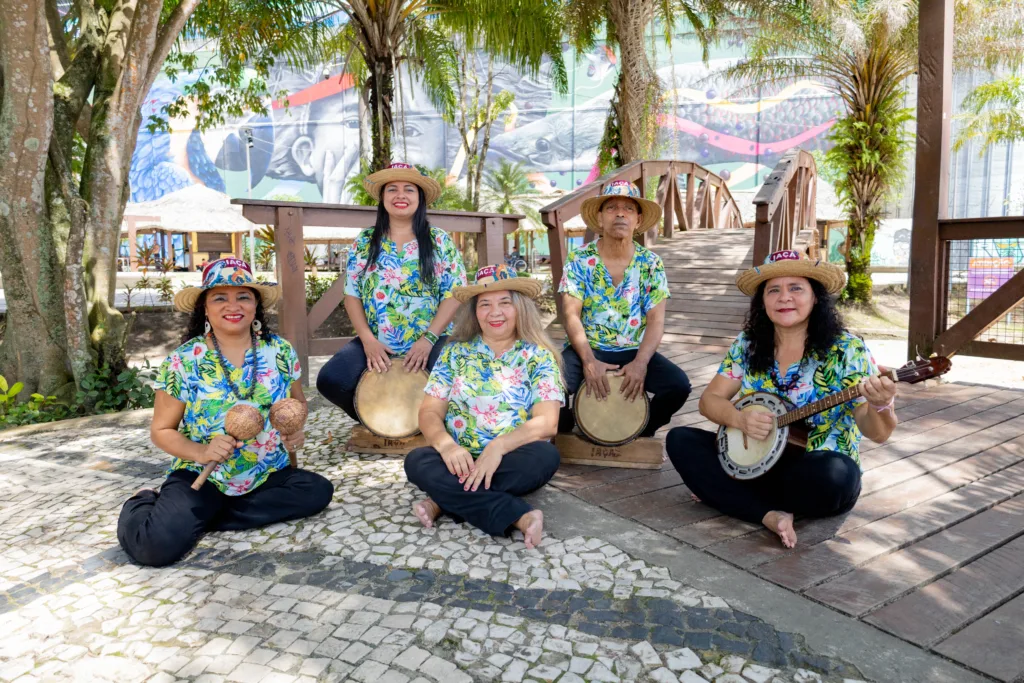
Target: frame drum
<point x="613" y="421"/>
<point x="388" y="404"/>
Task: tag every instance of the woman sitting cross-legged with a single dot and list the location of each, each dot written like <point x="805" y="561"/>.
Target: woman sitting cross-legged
<point x="490" y="411"/>
<point x="229" y="357"/>
<point x="794" y="345"/>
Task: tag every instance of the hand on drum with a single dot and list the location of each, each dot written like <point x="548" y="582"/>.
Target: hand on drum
<point x="219" y="449"/>
<point x="595" y="373"/>
<point x="756" y="424"/>
<point x="458" y="461"/>
<point x="633" y="376"/>
<point x="418" y="355"/>
<point x="486" y="465"/>
<point x="878" y="391"/>
<point x="378" y="356"/>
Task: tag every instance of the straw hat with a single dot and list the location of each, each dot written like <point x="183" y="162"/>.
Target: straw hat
<point x="791" y="264"/>
<point x="227" y="272"/>
<point x="375" y="182"/>
<point x="498" y="278"/>
<point x="650" y="212"/>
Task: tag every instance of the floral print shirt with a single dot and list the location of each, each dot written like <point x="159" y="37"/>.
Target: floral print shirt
<point x="192" y="375"/>
<point x="848" y="362"/>
<point x="399" y="305"/>
<point x="489" y="396"/>
<point x="614" y="317"/>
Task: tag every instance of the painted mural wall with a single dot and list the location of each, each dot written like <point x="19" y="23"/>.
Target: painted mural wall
<point x="308" y="149"/>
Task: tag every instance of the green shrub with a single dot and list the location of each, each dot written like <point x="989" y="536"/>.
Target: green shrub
<point x="316" y="285"/>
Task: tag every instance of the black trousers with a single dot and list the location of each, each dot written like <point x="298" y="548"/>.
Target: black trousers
<point x="665" y="380"/>
<point x="158" y="529"/>
<point x="493" y="510"/>
<point x="807" y="484"/>
<point x="338" y="378"/>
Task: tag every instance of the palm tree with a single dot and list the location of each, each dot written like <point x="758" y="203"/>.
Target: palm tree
<point x="632" y="122"/>
<point x="381" y="35"/>
<point x="864" y="52"/>
<point x="507" y="189"/>
<point x="994" y="113"/>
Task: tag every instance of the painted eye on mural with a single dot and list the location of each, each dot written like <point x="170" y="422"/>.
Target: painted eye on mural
<point x="542" y="145"/>
<point x="412" y="132"/>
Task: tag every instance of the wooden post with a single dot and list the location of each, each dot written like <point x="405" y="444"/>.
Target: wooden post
<point x="931" y="181"/>
<point x="491" y="249"/>
<point x="557" y="253"/>
<point x="667" y="197"/>
<point x="691" y="181"/>
<point x="292" y="307"/>
<point x="133" y="247"/>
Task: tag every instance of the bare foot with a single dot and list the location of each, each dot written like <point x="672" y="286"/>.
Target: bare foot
<point x="426" y="511"/>
<point x="532" y="526"/>
<point x="782" y="524"/>
<point x="694" y="498"/>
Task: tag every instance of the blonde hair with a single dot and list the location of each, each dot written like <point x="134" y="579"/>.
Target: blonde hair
<point x="528" y="324"/>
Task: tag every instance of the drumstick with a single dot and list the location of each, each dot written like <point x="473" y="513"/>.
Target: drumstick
<point x="288" y="416"/>
<point x="243" y="422"/>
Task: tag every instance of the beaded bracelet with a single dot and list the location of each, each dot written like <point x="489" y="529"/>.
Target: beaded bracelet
<point x="887" y="406"/>
<point x="429" y="336"/>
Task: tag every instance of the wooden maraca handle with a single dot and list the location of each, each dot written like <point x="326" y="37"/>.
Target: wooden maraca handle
<point x="204" y="475"/>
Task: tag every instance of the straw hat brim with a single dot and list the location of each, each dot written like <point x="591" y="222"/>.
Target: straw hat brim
<point x="828" y="274"/>
<point x="650" y="213"/>
<point x="375" y="182"/>
<point x="185" y="300"/>
<point x="524" y="285"/>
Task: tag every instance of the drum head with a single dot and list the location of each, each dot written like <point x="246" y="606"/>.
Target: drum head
<point x="613" y="421"/>
<point x="388" y="404"/>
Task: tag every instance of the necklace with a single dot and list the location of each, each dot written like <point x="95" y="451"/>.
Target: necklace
<point x="247" y="395"/>
<point x="791" y="381"/>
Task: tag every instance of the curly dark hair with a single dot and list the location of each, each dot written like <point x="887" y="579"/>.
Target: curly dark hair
<point x="824" y="326"/>
<point x="420" y="228"/>
<point x="197" y="322"/>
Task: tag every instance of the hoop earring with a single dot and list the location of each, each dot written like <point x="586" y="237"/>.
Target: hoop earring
<point x="257" y="327"/>
<point x="208" y="328"/>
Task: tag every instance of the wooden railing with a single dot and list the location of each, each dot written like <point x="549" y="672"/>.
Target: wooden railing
<point x="707" y="204"/>
<point x="288" y="220"/>
<point x="962" y="336"/>
<point x="786" y="204"/>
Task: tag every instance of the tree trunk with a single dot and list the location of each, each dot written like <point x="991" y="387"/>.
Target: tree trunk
<point x="381" y="84"/>
<point x="858" y="260"/>
<point x="638" y="89"/>
<point x="33" y="348"/>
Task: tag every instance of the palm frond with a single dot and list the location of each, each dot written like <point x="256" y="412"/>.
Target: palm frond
<point x="994" y="114"/>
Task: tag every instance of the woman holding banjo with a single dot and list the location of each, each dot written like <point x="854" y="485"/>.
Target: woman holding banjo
<point x="793" y="345"/>
<point x="398" y="286"/>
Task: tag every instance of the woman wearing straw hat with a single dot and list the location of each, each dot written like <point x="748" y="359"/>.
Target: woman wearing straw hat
<point x="793" y="345"/>
<point x="398" y="286"/>
<point x="490" y="411"/>
<point x="229" y="356"/>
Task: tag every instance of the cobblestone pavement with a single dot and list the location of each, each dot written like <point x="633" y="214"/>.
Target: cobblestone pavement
<point x="361" y="592"/>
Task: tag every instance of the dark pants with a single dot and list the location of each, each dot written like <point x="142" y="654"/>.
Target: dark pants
<point x="158" y="529"/>
<point x="665" y="380"/>
<point x="493" y="510"/>
<point x="807" y="484"/>
<point x="338" y="378"/>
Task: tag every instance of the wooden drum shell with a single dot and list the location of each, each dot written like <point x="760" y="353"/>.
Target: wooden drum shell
<point x="595" y="418"/>
<point x="388" y="403"/>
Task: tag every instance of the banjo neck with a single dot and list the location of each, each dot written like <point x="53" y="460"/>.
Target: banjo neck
<point x="830" y="401"/>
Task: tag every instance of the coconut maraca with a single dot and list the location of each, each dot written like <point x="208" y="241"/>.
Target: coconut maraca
<point x="288" y="416"/>
<point x="243" y="422"/>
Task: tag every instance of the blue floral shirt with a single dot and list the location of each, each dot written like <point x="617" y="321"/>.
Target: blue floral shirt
<point x="399" y="305"/>
<point x="848" y="363"/>
<point x="614" y="317"/>
<point x="192" y="375"/>
<point x="489" y="396"/>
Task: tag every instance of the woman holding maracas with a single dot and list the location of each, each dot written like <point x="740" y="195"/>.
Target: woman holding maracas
<point x="229" y="358"/>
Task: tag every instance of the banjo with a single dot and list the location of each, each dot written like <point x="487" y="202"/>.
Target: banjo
<point x="744" y="458"/>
